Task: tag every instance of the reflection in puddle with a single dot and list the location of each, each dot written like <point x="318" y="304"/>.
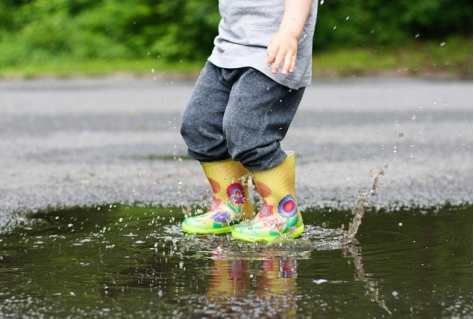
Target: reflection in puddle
<point x="373" y="289"/>
<point x="261" y="288"/>
<point x="136" y="262"/>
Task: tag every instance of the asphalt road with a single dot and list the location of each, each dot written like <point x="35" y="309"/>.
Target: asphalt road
<point x="90" y="142"/>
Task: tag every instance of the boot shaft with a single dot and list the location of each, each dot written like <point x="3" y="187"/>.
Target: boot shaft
<point x="228" y="180"/>
<point x="277" y="188"/>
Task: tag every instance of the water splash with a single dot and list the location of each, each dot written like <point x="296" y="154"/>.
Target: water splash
<point x="185" y="208"/>
<point x="362" y="201"/>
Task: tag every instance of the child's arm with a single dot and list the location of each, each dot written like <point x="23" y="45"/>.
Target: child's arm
<point x="284" y="44"/>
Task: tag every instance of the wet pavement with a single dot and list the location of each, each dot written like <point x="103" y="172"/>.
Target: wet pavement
<point x="66" y="143"/>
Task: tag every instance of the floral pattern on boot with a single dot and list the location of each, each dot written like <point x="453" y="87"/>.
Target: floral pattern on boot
<point x="268" y="225"/>
<point x="221" y="216"/>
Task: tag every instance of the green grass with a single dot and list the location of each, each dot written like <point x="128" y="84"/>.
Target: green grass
<point x="101" y="68"/>
<point x="451" y="59"/>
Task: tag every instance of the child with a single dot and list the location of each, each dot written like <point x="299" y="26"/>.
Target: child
<point x="241" y="108"/>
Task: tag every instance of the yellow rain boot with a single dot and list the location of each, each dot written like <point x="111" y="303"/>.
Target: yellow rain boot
<point x="230" y="201"/>
<point x="279" y="214"/>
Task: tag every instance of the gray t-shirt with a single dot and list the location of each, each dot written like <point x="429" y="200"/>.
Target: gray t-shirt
<point x="246" y="28"/>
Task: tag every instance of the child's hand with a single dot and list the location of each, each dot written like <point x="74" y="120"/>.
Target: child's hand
<point x="284" y="44"/>
<point x="282" y="49"/>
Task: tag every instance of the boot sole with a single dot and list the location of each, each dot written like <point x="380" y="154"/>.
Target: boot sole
<point x="198" y="231"/>
<point x="267" y="239"/>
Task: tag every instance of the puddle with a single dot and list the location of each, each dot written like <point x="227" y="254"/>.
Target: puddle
<point x="134" y="262"/>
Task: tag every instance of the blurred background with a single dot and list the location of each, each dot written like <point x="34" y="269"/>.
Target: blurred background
<point x="98" y="37"/>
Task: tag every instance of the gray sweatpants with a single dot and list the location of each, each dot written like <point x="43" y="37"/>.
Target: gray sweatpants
<point x="240" y="114"/>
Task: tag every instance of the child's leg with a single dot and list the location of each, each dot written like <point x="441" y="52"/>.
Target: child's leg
<point x="202" y="131"/>
<point x="201" y="126"/>
<point x="256" y="119"/>
<point x="258" y="115"/>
